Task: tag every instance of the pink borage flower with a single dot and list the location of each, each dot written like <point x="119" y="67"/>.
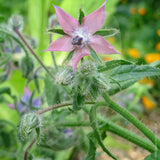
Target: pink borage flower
<point x="80" y="37"/>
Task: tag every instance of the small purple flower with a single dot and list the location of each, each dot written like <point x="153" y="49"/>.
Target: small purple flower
<point x="24" y="104"/>
<point x="68" y="132"/>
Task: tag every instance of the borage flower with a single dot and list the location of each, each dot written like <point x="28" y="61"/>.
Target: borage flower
<point x="24" y="104"/>
<point x="80" y="37"/>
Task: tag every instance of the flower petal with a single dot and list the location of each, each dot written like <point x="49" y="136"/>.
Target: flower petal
<point x="62" y="44"/>
<point x="36" y="102"/>
<point x="95" y="20"/>
<point x="100" y="45"/>
<point x="78" y="55"/>
<point x="20" y="107"/>
<point x="26" y="95"/>
<point x="66" y="21"/>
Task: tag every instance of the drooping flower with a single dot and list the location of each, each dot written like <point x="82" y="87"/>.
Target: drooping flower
<point x="80" y="37"/>
<point x="24" y="104"/>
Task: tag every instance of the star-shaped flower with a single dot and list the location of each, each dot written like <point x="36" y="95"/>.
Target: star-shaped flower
<point x="80" y="37"/>
<point x="24" y="104"/>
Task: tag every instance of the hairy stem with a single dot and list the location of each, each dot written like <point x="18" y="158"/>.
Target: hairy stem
<point x="128" y="135"/>
<point x="32" y="51"/>
<point x="58" y="106"/>
<point x="28" y="148"/>
<point x="127" y="115"/>
<point x="52" y="53"/>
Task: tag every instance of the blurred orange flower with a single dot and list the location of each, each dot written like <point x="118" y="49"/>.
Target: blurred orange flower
<point x="148" y="103"/>
<point x="151" y="57"/>
<point x="133" y="10"/>
<point x="158" y="46"/>
<point x="142" y="11"/>
<point x="147" y="81"/>
<point x="133" y="53"/>
<point x="158" y="32"/>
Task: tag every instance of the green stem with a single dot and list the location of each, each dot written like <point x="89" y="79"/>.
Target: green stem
<point x="73" y="124"/>
<point x="130" y="136"/>
<point x="133" y="120"/>
<point x="59" y="106"/>
<point x="52" y="54"/>
<point x="33" y="53"/>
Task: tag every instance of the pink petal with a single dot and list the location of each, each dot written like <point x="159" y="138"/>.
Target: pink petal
<point x="62" y="44"/>
<point x="95" y="20"/>
<point x="78" y="55"/>
<point x="100" y="45"/>
<point x="66" y="21"/>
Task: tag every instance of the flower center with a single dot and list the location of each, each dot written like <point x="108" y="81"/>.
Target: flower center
<point x="77" y="40"/>
<point x="80" y="38"/>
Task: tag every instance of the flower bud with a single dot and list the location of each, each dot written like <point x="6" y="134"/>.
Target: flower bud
<point x="26" y="66"/>
<point x="53" y="21"/>
<point x="87" y="67"/>
<point x="64" y="76"/>
<point x="16" y="22"/>
<point x="28" y="123"/>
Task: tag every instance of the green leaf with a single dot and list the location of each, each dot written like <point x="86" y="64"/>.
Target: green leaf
<point x="112" y="64"/>
<point x="129" y="72"/>
<point x="58" y="31"/>
<point x="94" y="125"/>
<point x="6" y="90"/>
<point x="92" y="147"/>
<point x="107" y="32"/>
<point x="81" y="15"/>
<point x="153" y="156"/>
<point x="124" y="74"/>
<point x="95" y="56"/>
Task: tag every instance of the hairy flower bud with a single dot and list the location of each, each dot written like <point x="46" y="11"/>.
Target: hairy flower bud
<point x="64" y="76"/>
<point x="26" y="66"/>
<point x="87" y="67"/>
<point x="53" y="21"/>
<point x="16" y="22"/>
<point x="28" y="123"/>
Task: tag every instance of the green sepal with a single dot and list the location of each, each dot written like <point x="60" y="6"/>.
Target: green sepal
<point x="107" y="32"/>
<point x="81" y="15"/>
<point x="95" y="56"/>
<point x="58" y="31"/>
<point x="68" y="58"/>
